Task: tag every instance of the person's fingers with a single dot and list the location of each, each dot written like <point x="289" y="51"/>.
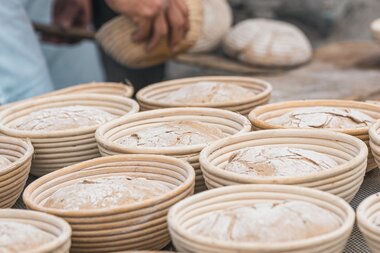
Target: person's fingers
<point x="143" y="31"/>
<point x="160" y="31"/>
<point x="84" y="17"/>
<point x="185" y="12"/>
<point x="68" y="15"/>
<point x="177" y="23"/>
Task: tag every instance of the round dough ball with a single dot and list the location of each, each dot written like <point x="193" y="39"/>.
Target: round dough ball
<point x="217" y="21"/>
<point x="268" y="43"/>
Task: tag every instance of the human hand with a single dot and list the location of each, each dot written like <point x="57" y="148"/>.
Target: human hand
<point x="155" y="20"/>
<point x="70" y="14"/>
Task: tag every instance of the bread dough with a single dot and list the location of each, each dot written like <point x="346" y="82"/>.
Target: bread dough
<point x="20" y="237"/>
<point x="62" y="118"/>
<point x="4" y="162"/>
<point x="278" y="161"/>
<point x="268" y="222"/>
<point x="177" y="133"/>
<point x="208" y="92"/>
<point x="105" y="192"/>
<point x="267" y="42"/>
<point x="323" y="117"/>
<point x="217" y="21"/>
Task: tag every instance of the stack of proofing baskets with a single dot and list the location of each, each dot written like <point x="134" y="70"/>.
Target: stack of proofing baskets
<point x="262" y="114"/>
<point x="57" y="149"/>
<point x="132" y="226"/>
<point x="149" y="97"/>
<point x="229" y="123"/>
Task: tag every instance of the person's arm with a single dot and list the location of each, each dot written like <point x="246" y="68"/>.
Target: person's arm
<point x="23" y="69"/>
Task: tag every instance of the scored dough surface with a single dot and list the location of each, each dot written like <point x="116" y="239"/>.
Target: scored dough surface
<point x="176" y="133"/>
<point x="267" y="222"/>
<point x="20" y="237"/>
<point x="323" y="117"/>
<point x="62" y="118"/>
<point x="208" y="92"/>
<point x="105" y="192"/>
<point x="278" y="161"/>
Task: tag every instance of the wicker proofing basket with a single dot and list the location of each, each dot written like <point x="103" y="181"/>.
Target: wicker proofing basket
<point x="374" y="136"/>
<point x="117" y="89"/>
<point x="190" y="210"/>
<point x="366" y="215"/>
<point x="115" y="38"/>
<point x="57" y="149"/>
<point x="260" y="115"/>
<point x="55" y="226"/>
<point x="230" y="123"/>
<point x="343" y="180"/>
<point x="137" y="226"/>
<point x="148" y="97"/>
<point x="14" y="176"/>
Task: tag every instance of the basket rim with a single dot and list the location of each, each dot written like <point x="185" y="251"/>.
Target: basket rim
<point x="141" y="97"/>
<point x="347" y="224"/>
<point x="186" y="184"/>
<point x="262" y="124"/>
<point x="74" y="98"/>
<point x="160" y="113"/>
<point x="64" y="236"/>
<point x="298" y="133"/>
<point x="128" y="87"/>
<point x="373" y="135"/>
<point x="362" y="217"/>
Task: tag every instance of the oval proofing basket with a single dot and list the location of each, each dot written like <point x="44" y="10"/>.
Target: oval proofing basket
<point x="230" y="123"/>
<point x="57" y="149"/>
<point x="135" y="226"/>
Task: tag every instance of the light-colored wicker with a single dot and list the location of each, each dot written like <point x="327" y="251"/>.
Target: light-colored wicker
<point x="55" y="226"/>
<point x="374" y="143"/>
<point x="57" y="149"/>
<point x="260" y="115"/>
<point x="149" y="96"/>
<point x="366" y="215"/>
<point x="344" y="180"/>
<point x="115" y="38"/>
<point x="188" y="211"/>
<point x="117" y="89"/>
<point x="14" y="176"/>
<point x="230" y="123"/>
<point x="136" y="226"/>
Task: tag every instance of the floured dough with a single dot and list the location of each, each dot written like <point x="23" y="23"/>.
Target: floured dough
<point x="323" y="117"/>
<point x="217" y="21"/>
<point x="62" y="118"/>
<point x="267" y="43"/>
<point x="278" y="161"/>
<point x="208" y="92"/>
<point x="177" y="133"/>
<point x="4" y="162"/>
<point x="20" y="237"/>
<point x="105" y="192"/>
<point x="267" y="222"/>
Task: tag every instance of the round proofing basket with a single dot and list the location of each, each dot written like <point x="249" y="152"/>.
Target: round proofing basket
<point x="366" y="215"/>
<point x="50" y="224"/>
<point x="115" y="37"/>
<point x="228" y="122"/>
<point x="150" y="96"/>
<point x="13" y="177"/>
<point x="189" y="211"/>
<point x="374" y="136"/>
<point x="260" y="115"/>
<point x="57" y="149"/>
<point x="343" y="180"/>
<point x="136" y="226"/>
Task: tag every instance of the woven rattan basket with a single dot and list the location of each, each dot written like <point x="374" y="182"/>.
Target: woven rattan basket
<point x="149" y="97"/>
<point x="230" y="123"/>
<point x="343" y="180"/>
<point x="367" y="214"/>
<point x="187" y="212"/>
<point x="115" y="39"/>
<point x="57" y="149"/>
<point x="54" y="226"/>
<point x="135" y="226"/>
<point x="260" y="115"/>
<point x="14" y="176"/>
